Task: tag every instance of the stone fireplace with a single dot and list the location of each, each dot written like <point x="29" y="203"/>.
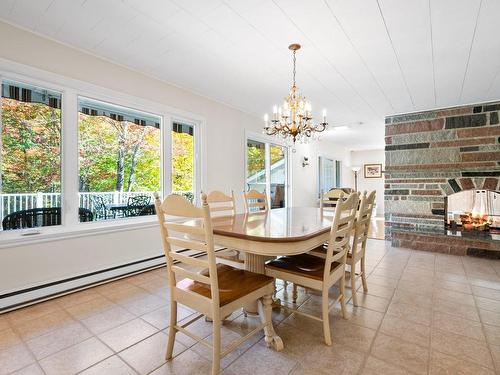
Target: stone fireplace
<point x="431" y="158"/>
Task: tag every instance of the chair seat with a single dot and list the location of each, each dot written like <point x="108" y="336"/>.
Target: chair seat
<point x="303" y="265"/>
<point x="233" y="283"/>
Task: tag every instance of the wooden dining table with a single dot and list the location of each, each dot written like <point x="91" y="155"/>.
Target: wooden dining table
<point x="266" y="235"/>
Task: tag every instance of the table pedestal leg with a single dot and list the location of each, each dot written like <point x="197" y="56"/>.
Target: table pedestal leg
<point x="254" y="263"/>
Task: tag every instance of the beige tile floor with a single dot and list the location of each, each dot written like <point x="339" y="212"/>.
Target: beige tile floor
<point x="424" y="313"/>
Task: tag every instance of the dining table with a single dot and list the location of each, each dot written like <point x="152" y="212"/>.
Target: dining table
<point x="268" y="234"/>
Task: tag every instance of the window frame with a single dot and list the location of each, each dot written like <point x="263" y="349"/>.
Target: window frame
<point x="70" y="89"/>
<point x="268" y="141"/>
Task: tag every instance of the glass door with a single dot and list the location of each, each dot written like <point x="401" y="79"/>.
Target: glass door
<point x="278" y="173"/>
<point x="267" y="170"/>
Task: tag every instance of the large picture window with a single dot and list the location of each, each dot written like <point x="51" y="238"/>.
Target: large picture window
<point x="30" y="184"/>
<point x="267" y="170"/>
<point x="68" y="158"/>
<point x="119" y="160"/>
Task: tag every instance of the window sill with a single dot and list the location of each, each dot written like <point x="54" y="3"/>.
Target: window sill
<point x="24" y="237"/>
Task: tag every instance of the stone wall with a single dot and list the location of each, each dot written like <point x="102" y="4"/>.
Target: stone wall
<point x="432" y="154"/>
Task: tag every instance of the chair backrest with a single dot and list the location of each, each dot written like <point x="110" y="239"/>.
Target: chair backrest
<point x="362" y="224"/>
<point x="328" y="200"/>
<point x="194" y="233"/>
<point x="221" y="204"/>
<point x="340" y="233"/>
<point x="255" y="201"/>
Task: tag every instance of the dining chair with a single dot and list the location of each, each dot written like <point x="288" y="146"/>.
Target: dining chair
<point x="357" y="251"/>
<point x="328" y="200"/>
<point x="321" y="274"/>
<point x="216" y="290"/>
<point x="255" y="201"/>
<point x="222" y="209"/>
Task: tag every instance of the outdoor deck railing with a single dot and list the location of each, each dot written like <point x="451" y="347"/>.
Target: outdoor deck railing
<point x="10" y="203"/>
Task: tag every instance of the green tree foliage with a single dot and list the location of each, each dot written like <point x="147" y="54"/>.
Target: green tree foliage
<point x="31" y="152"/>
<point x="99" y="144"/>
<point x="182" y="161"/>
<point x="31" y="138"/>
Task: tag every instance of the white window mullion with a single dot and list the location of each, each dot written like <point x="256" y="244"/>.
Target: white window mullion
<point x="268" y="172"/>
<point x="69" y="160"/>
<point x="167" y="154"/>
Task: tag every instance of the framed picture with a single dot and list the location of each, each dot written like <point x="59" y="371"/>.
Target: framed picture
<point x="373" y="170"/>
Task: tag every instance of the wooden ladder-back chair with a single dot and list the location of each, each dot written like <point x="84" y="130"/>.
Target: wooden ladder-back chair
<point x="222" y="210"/>
<point x="328" y="200"/>
<point x="255" y="201"/>
<point x="358" y="248"/>
<point x="216" y="290"/>
<point x="318" y="273"/>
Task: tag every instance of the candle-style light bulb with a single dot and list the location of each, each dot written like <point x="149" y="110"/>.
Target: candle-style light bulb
<point x="275" y="112"/>
<point x="266" y="119"/>
<point x="324" y="115"/>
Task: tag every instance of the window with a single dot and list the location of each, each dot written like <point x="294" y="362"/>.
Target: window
<point x="267" y="170"/>
<point x="183" y="160"/>
<point x="119" y="161"/>
<point x="30" y="184"/>
<point x="111" y="163"/>
<point x="329" y="174"/>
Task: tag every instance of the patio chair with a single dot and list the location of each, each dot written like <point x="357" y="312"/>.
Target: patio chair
<point x="99" y="206"/>
<point x="40" y="217"/>
<point x="136" y="204"/>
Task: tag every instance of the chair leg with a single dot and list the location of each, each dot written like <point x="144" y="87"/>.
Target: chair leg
<point x="342" y="297"/>
<point x="265" y="313"/>
<point x="353" y="284"/>
<point x="294" y="293"/>
<point x="171" y="331"/>
<point x="216" y="325"/>
<point x="326" y="318"/>
<point x="363" y="274"/>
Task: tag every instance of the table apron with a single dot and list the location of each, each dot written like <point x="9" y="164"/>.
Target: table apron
<point x="271" y="249"/>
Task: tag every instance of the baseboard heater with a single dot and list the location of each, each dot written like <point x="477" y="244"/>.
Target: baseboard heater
<point x="29" y="296"/>
<point x="23" y="297"/>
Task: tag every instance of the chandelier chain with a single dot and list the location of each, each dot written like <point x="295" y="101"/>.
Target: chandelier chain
<point x="294" y="70"/>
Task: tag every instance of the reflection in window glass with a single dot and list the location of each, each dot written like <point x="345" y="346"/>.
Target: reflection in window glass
<point x="183" y="169"/>
<point x="256" y="165"/>
<point x="30" y="185"/>
<point x="278" y="170"/>
<point x="119" y="160"/>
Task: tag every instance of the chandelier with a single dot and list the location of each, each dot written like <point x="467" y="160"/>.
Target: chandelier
<point x="293" y="120"/>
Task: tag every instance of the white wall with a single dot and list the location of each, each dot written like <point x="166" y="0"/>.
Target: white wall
<point x="306" y="178"/>
<point x="26" y="264"/>
<point x="359" y="158"/>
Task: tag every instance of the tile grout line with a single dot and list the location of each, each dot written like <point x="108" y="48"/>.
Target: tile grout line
<point x="377" y="331"/>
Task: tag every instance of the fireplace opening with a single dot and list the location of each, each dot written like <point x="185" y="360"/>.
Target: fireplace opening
<point x="473" y="210"/>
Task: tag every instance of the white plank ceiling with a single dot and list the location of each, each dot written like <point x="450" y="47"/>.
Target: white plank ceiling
<point x="361" y="59"/>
